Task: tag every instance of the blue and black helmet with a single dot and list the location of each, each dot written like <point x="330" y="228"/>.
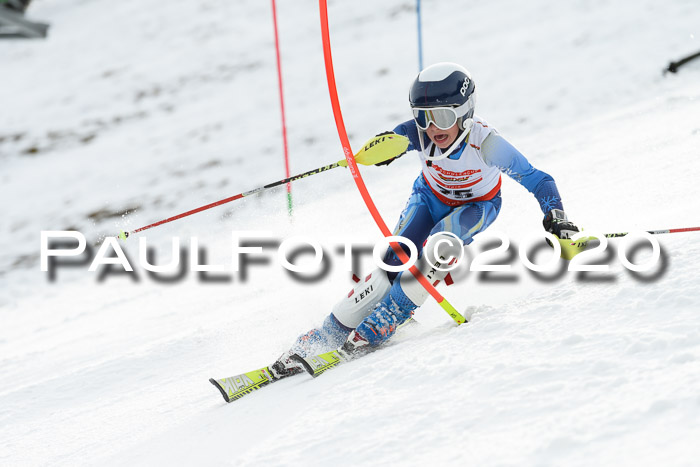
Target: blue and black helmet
<point x="443" y="85"/>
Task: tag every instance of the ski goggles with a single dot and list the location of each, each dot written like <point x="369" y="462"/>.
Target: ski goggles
<point x="442" y="117"/>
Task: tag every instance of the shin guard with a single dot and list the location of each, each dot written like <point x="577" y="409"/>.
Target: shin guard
<point x="351" y="310"/>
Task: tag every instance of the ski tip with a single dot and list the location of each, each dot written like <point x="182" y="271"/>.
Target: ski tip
<point x="298" y="358"/>
<point x="221" y="390"/>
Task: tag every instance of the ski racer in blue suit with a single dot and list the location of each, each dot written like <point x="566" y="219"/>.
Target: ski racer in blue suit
<point x="456" y="196"/>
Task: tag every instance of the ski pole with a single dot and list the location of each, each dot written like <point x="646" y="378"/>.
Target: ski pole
<point x="570" y="248"/>
<point x="674" y="66"/>
<point x="655" y="232"/>
<point x="124" y="235"/>
<point x="378" y="149"/>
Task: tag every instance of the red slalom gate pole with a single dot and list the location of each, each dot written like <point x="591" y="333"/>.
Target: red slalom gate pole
<point x="345" y="142"/>
<point x="284" y="123"/>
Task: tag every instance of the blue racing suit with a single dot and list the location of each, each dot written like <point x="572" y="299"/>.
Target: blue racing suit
<point x="428" y="212"/>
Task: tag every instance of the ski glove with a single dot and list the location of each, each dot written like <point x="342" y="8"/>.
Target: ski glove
<point x="388" y="161"/>
<point x="556" y="222"/>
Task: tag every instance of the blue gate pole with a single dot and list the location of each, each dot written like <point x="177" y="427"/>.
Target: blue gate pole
<point x="420" y="37"/>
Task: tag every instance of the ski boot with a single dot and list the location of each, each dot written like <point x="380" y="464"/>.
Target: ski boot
<point x="355" y="346"/>
<point x="285" y="366"/>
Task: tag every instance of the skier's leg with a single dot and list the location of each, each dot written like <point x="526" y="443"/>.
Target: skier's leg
<point x="406" y="293"/>
<point x="415" y="223"/>
<point x="346" y="315"/>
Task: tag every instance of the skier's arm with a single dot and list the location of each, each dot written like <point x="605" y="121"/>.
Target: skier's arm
<point x="407" y="129"/>
<point x="498" y="152"/>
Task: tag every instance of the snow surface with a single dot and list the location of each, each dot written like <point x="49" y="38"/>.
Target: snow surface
<point x="152" y="109"/>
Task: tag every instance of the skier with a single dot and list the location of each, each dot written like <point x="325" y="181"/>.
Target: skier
<point x="456" y="196"/>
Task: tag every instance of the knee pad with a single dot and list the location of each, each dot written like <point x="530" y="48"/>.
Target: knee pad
<point x="441" y="250"/>
<point x="351" y="310"/>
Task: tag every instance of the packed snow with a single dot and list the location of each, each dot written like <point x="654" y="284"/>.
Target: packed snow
<point x="134" y="111"/>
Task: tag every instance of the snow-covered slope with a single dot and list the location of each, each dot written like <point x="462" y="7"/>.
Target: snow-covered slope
<point x="134" y="106"/>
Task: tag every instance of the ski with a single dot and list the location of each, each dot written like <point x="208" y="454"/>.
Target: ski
<point x="235" y="387"/>
<point x="317" y="364"/>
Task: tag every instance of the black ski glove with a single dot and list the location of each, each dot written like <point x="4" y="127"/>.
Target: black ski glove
<point x="388" y="161"/>
<point x="556" y="222"/>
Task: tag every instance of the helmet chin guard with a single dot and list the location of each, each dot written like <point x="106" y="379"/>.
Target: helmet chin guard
<point x="462" y="136"/>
